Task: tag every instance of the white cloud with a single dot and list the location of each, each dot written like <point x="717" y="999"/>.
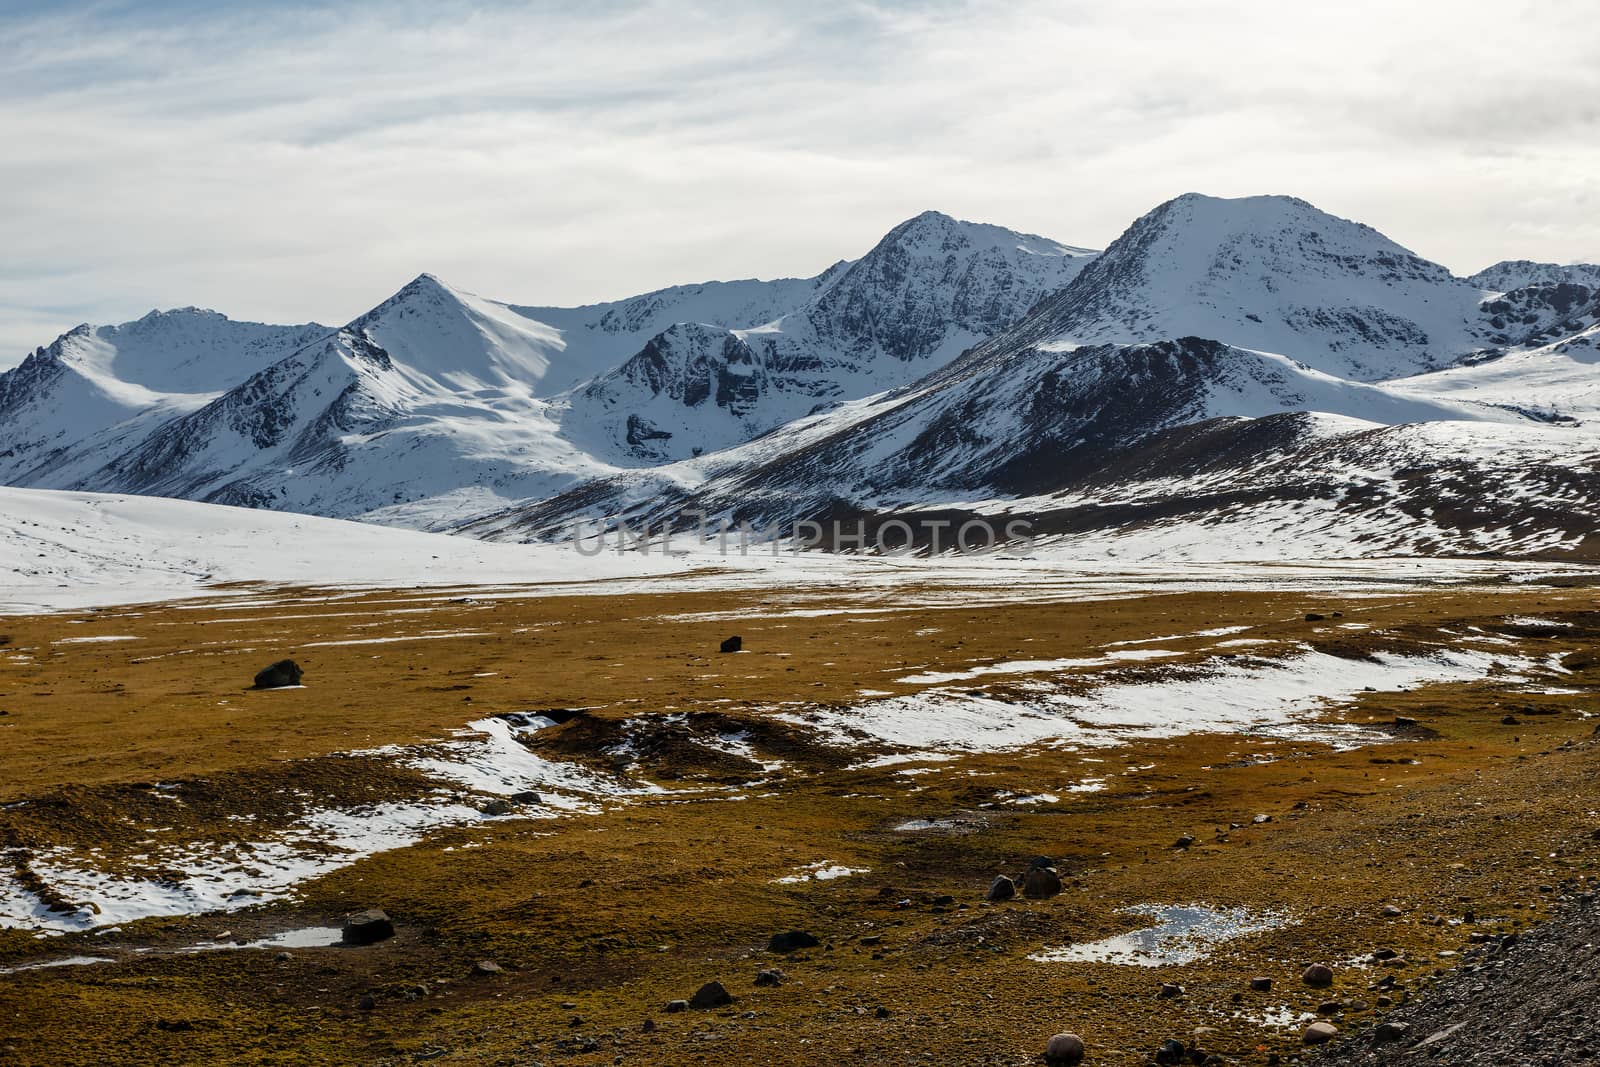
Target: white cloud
<point x="294" y="164"/>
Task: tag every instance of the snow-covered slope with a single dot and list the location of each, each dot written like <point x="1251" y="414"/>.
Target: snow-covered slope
<point x="1270" y="273"/>
<point x="1001" y="422"/>
<point x="60" y="549"/>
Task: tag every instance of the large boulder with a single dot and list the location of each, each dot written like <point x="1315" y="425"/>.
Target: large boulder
<point x="1318" y="976"/>
<point x="711" y="995"/>
<point x="280" y="675"/>
<point x="1041" y="882"/>
<point x="367" y="927"/>
<point x="1063" y="1050"/>
<point x="792" y="941"/>
<point x="1002" y="888"/>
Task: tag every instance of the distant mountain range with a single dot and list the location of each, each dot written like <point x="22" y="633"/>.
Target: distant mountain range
<point x="1226" y="375"/>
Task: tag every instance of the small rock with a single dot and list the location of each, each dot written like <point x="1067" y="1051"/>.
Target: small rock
<point x="284" y="957"/>
<point x="1063" y="1049"/>
<point x="1261" y="985"/>
<point x="1171" y="1052"/>
<point x="280" y="675"/>
<point x="1403" y="721"/>
<point x="1319" y="1033"/>
<point x="1041" y="882"/>
<point x="770" y="977"/>
<point x="1168" y="991"/>
<point x="1041" y="861"/>
<point x="1389" y="1031"/>
<point x="881" y="1013"/>
<point x="791" y="941"/>
<point x="711" y="995"/>
<point x="367" y="1003"/>
<point x="527" y="796"/>
<point x="1510" y="720"/>
<point x="1391" y="912"/>
<point x="1318" y="976"/>
<point x="1184" y="842"/>
<point x="732" y="644"/>
<point x="675" y="1006"/>
<point x="486" y="969"/>
<point x="498" y="806"/>
<point x="1260" y="819"/>
<point x="1002" y="888"/>
<point x="1330" y="1007"/>
<point x="1312" y="616"/>
<point x="1384" y="954"/>
<point x="1384" y="1001"/>
<point x="367" y="927"/>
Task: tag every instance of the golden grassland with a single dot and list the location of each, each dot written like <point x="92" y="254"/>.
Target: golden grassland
<point x="600" y="919"/>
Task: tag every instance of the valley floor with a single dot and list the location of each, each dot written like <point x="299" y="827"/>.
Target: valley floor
<point x="179" y="850"/>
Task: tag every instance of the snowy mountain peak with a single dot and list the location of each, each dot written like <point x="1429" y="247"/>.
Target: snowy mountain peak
<point x="934" y="232"/>
<point x="443" y="338"/>
<point x="1271" y="273"/>
<point x="1511" y="274"/>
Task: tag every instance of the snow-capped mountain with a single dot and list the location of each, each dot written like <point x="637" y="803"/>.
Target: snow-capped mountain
<point x="1221" y="358"/>
<point x="933" y="287"/>
<point x="94" y="390"/>
<point x="1518" y="273"/>
<point x="1274" y="274"/>
<point x="1035" y="421"/>
<point x="439" y="404"/>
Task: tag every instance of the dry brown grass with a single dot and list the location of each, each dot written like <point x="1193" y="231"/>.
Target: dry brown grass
<point x="616" y="913"/>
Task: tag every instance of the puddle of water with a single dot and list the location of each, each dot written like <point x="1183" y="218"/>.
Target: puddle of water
<point x="310" y="937"/>
<point x="1183" y="934"/>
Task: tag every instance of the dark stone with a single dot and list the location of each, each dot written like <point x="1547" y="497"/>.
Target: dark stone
<point x="526" y="797"/>
<point x="1040" y="861"/>
<point x="675" y="1006"/>
<point x="1312" y="616"/>
<point x="767" y="978"/>
<point x="1390" y="1031"/>
<point x="1184" y="842"/>
<point x="282" y="674"/>
<point x="498" y="806"/>
<point x="1261" y="985"/>
<point x="1171" y="1052"/>
<point x="367" y="927"/>
<point x="367" y="1003"/>
<point x="1404" y="721"/>
<point x="1041" y="882"/>
<point x="1063" y="1049"/>
<point x="1169" y="991"/>
<point x="732" y="644"/>
<point x="1318" y="976"/>
<point x="791" y="941"/>
<point x="1002" y="888"/>
<point x="711" y="995"/>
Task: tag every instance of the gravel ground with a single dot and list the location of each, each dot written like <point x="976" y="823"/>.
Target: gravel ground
<point x="1530" y="1001"/>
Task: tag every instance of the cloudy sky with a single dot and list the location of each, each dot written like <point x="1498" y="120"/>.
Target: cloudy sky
<point x="287" y="163"/>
